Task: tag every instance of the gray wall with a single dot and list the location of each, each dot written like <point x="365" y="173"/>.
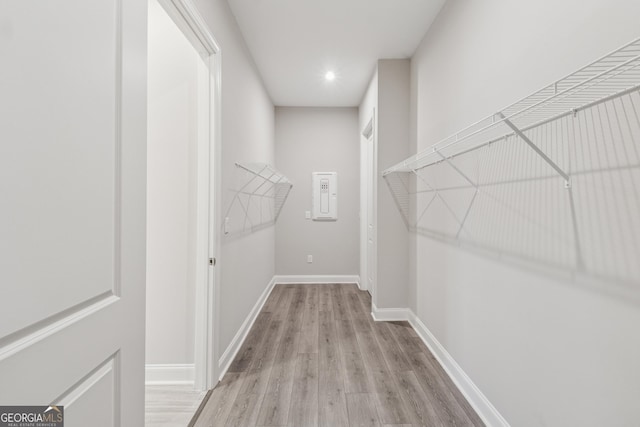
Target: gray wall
<point x="388" y="93"/>
<point x="393" y="146"/>
<point x="318" y="140"/>
<point x="171" y="185"/>
<point x="544" y="352"/>
<point x="247" y="262"/>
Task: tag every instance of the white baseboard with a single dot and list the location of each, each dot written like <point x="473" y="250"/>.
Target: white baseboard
<point x="317" y="279"/>
<point x="471" y="392"/>
<point x="169" y="374"/>
<point x="230" y="353"/>
<point x="389" y="314"/>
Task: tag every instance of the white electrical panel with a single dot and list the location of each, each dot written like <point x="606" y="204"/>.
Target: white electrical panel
<point x="325" y="196"/>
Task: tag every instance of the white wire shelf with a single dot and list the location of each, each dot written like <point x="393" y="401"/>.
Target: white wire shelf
<point x="258" y="196"/>
<point x="610" y="76"/>
<point x="552" y="180"/>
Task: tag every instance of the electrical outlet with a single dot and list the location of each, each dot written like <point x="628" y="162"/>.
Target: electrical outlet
<point x="309" y="259"/>
<point x="307" y="214"/>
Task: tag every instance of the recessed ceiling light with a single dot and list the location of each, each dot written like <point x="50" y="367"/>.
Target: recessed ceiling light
<point x="330" y="76"/>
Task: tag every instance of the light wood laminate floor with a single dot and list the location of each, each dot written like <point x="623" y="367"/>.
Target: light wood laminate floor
<point x="171" y="405"/>
<point x="315" y="357"/>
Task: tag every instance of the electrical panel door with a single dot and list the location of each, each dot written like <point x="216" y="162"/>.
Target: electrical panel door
<point x="325" y="196"/>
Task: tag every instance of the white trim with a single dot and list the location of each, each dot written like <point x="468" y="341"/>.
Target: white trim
<point x="54" y="324"/>
<point x="317" y="279"/>
<point x="215" y="242"/>
<point x="368" y="129"/>
<point x="369" y="188"/>
<point x="169" y="374"/>
<point x="84" y="386"/>
<point x="233" y="348"/>
<point x="192" y="24"/>
<point x="389" y="314"/>
<point x="471" y="392"/>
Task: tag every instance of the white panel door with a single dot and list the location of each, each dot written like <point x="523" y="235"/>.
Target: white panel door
<point x="72" y="217"/>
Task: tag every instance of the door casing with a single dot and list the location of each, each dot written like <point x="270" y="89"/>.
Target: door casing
<point x="369" y="188"/>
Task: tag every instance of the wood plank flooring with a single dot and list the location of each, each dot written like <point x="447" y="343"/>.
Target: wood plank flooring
<point x="316" y="358"/>
<point x="171" y="405"/>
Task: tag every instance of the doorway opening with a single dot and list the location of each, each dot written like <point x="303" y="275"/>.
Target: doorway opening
<point x="368" y="228"/>
<point x="183" y="93"/>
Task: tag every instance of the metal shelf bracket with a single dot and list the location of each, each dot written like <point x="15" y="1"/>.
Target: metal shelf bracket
<point x="535" y="148"/>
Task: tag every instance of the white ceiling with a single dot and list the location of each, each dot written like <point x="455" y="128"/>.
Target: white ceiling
<point x="295" y="42"/>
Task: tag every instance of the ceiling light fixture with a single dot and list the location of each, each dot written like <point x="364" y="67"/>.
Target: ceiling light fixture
<point x="330" y="76"/>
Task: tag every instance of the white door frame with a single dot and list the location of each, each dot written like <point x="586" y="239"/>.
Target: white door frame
<point x="188" y="19"/>
<point x="368" y="202"/>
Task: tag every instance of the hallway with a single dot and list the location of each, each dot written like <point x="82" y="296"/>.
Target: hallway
<point x="315" y="357"/>
<point x="214" y="208"/>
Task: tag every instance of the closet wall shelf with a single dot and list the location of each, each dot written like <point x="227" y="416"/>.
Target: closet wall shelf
<point x="552" y="180"/>
<point x="611" y="76"/>
<point x="259" y="193"/>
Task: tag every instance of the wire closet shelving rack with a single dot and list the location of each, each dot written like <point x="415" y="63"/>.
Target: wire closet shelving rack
<point x="257" y="198"/>
<point x="552" y="180"/>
